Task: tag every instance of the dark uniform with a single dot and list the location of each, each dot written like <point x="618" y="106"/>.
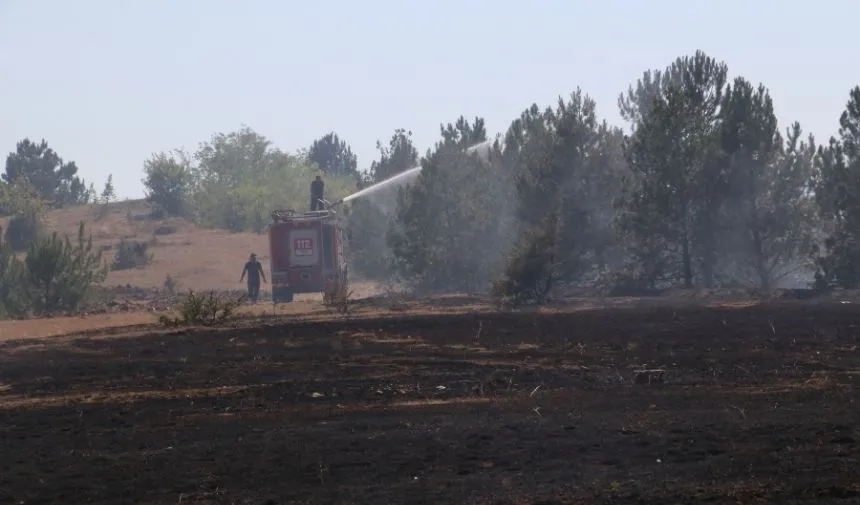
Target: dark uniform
<point x="254" y="270"/>
<point x="317" y="189"/>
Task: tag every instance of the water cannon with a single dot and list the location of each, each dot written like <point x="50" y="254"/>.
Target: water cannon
<point x="328" y="206"/>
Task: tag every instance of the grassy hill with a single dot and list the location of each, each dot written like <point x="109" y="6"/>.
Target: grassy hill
<point x="197" y="258"/>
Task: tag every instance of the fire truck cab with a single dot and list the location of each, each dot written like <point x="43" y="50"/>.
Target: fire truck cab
<point x="307" y="253"/>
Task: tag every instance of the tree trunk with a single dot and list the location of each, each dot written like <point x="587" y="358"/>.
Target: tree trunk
<point x="600" y="255"/>
<point x="708" y="268"/>
<point x="688" y="266"/>
<point x="763" y="275"/>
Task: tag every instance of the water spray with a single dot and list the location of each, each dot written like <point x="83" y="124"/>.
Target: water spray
<point x="482" y="149"/>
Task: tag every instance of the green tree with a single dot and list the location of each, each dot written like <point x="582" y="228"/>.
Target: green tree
<point x="563" y="183"/>
<point x="11" y="292"/>
<point x="61" y="274"/>
<point x="837" y="193"/>
<point x="672" y="201"/>
<point x="601" y="184"/>
<point x="241" y="177"/>
<point x="446" y="234"/>
<point x="27" y="210"/>
<point x="169" y="181"/>
<point x="55" y="180"/>
<point x="569" y="165"/>
<point x="369" y="256"/>
<point x="108" y="192"/>
<point x="768" y="219"/>
<point x="371" y="217"/>
<point x="333" y="156"/>
<point x="5" y="209"/>
<point x="399" y="155"/>
<point x="228" y="159"/>
<point x="529" y="274"/>
<point x="637" y="102"/>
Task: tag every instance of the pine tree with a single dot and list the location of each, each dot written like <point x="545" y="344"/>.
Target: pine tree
<point x="61" y="274"/>
<point x="108" y="193"/>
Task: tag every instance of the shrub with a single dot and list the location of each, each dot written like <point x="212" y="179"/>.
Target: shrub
<point x="171" y="285"/>
<point x="166" y="229"/>
<point x="21" y="200"/>
<point x="23" y="229"/>
<point x="60" y="275"/>
<point x="131" y="254"/>
<point x="168" y="180"/>
<point x="207" y="309"/>
<point x="157" y="213"/>
<point x="337" y="296"/>
<point x="11" y="302"/>
<point x="529" y="273"/>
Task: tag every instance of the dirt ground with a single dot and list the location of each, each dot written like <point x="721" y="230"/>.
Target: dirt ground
<point x="744" y="404"/>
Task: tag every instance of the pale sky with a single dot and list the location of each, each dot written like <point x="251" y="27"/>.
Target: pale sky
<point x="108" y="82"/>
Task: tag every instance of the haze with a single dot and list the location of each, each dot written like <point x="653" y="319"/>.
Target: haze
<point x="108" y="83"/>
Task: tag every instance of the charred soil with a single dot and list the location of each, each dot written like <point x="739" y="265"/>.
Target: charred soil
<point x="653" y="405"/>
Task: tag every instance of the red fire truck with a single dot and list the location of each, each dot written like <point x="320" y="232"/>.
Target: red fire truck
<point x="307" y="253"/>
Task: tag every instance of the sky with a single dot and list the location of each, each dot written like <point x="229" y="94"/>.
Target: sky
<point x="108" y="83"/>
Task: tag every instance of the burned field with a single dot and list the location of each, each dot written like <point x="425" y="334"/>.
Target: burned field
<point x="646" y="405"/>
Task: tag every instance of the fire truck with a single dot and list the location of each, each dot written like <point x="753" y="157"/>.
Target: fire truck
<point x="307" y="255"/>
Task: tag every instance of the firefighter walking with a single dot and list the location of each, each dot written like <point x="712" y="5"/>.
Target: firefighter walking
<point x="254" y="271"/>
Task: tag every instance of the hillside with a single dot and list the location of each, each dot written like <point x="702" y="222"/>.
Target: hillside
<point x="197" y="258"/>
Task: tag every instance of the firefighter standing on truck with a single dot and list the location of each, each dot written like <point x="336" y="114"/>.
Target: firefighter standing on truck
<point x="317" y="189"/>
<point x="254" y="269"/>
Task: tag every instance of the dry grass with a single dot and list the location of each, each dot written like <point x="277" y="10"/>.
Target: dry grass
<point x="196" y="258"/>
<point x="199" y="259"/>
<point x="56" y="326"/>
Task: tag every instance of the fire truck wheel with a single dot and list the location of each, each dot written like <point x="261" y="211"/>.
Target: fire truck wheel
<point x="282" y="297"/>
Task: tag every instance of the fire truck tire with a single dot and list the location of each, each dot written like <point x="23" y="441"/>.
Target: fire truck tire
<point x="282" y="297"/>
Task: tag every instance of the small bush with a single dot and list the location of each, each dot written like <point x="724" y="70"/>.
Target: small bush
<point x="22" y="230"/>
<point x="59" y="274"/>
<point x="337" y="296"/>
<point x="166" y="229"/>
<point x="171" y="285"/>
<point x="11" y="277"/>
<point x="102" y="210"/>
<point x="131" y="254"/>
<point x="207" y="309"/>
<point x="157" y="213"/>
<point x="530" y="270"/>
<point x="56" y="275"/>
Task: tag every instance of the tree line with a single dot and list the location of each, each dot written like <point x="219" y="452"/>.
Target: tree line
<point x="700" y="188"/>
<point x="703" y="188"/>
<point x="234" y="181"/>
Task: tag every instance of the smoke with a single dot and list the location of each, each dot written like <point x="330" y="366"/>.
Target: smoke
<point x="466" y="226"/>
